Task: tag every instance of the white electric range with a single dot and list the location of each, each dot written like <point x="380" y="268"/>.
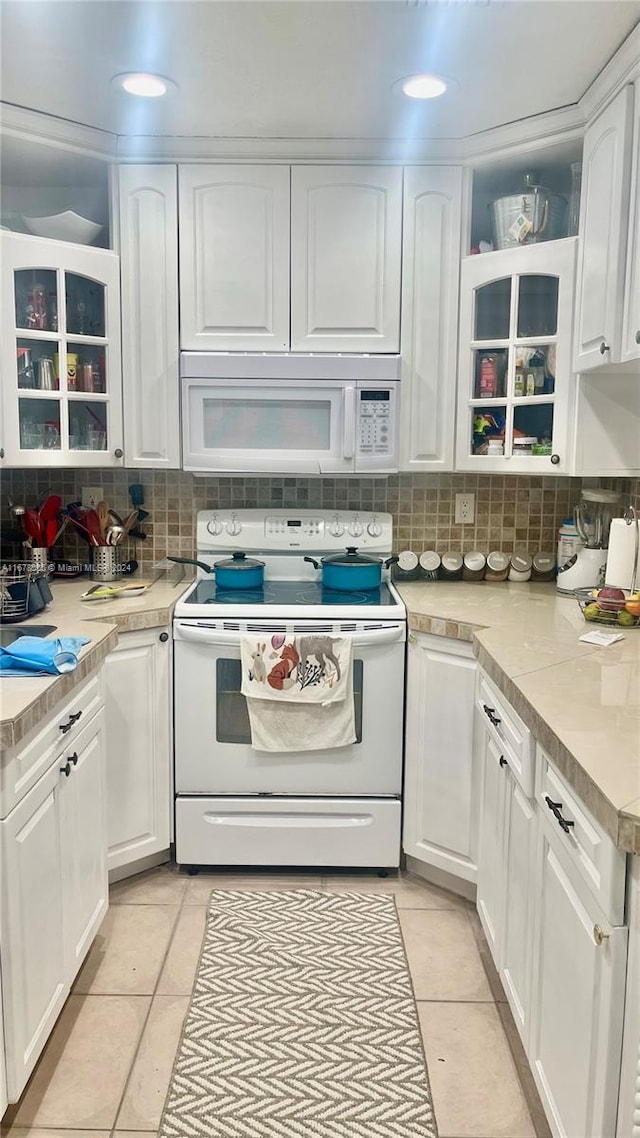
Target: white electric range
<point x="240" y="806"/>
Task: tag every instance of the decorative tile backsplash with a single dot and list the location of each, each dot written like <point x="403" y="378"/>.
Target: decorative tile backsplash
<point x="510" y="512"/>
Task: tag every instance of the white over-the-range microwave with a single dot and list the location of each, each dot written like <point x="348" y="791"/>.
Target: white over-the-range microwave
<point x="289" y="414"/>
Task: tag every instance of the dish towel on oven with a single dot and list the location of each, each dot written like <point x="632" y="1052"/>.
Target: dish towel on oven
<point x="299" y="692"/>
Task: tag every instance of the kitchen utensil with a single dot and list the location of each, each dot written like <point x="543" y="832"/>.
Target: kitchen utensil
<point x="351" y="571"/>
<point x="535" y="214"/>
<point x="130" y="521"/>
<point x="236" y="572"/>
<point x="114" y="534"/>
<point x="46" y="377"/>
<point x="39" y="558"/>
<point x="26" y="373"/>
<point x="136" y="493"/>
<point x="92" y="522"/>
<point x="31" y="525"/>
<point x="50" y="508"/>
<point x="102" y="510"/>
<point x="15" y="511"/>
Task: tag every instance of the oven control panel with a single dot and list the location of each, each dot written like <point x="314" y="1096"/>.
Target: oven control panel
<point x="312" y="531"/>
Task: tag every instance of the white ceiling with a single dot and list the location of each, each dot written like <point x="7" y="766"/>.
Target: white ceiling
<point x="306" y="68"/>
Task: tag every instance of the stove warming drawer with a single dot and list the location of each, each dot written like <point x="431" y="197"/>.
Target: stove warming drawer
<point x="287" y="831"/>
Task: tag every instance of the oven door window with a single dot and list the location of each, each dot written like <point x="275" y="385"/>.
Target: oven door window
<point x="232" y="717"/>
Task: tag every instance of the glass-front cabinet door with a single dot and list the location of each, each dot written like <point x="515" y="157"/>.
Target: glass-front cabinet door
<point x="515" y="387"/>
<point x="61" y="369"/>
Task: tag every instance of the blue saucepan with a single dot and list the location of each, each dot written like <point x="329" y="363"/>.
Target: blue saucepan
<point x="235" y="572"/>
<point x="351" y="571"/>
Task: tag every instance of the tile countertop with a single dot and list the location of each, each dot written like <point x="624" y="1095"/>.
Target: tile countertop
<point x="24" y="702"/>
<point x="581" y="702"/>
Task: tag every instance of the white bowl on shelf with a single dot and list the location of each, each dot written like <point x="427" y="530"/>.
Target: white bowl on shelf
<point x="67" y="226"/>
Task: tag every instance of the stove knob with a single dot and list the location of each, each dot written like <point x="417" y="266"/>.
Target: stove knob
<point x="215" y="526"/>
<point x="374" y="529"/>
<point x="234" y="527"/>
<point x="355" y="529"/>
<point x="336" y="528"/>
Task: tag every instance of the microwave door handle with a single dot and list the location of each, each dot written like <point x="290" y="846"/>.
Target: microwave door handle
<point x="349" y="430"/>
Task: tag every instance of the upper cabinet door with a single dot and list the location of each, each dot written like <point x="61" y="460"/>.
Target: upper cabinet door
<point x="631" y="320"/>
<point x="234" y="258"/>
<point x="603" y="235"/>
<point x="346" y="233"/>
<point x="148" y="201"/>
<point x="430" y="276"/>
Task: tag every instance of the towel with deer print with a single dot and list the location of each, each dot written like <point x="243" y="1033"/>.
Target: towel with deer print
<point x="299" y="691"/>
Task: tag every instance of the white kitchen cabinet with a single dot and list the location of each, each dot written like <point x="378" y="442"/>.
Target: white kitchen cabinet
<point x="604" y="212"/>
<point x="61" y="368"/>
<point x="505" y="866"/>
<point x="514" y="360"/>
<point x="234" y="258"/>
<point x="629" y="1099"/>
<point x="578" y="986"/>
<point x="148" y="211"/>
<point x="429" y="330"/>
<point x="138" y="702"/>
<point x="346" y="243"/>
<point x="631" y="312"/>
<point x="54" y="894"/>
<point x="440" y="769"/>
<point x="4" y="1098"/>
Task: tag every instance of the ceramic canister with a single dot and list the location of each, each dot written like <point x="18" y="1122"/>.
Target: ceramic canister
<point x="497" y="566"/>
<point x="473" y="566"/>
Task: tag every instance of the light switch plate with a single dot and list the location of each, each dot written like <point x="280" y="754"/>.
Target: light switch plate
<point x="465" y="509"/>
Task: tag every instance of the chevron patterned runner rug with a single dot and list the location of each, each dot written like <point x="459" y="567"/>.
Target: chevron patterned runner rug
<point x="302" y="1024"/>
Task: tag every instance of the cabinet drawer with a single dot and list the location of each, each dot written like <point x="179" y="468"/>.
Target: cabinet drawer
<point x="591" y="851"/>
<point x="28" y="760"/>
<point x="508" y="732"/>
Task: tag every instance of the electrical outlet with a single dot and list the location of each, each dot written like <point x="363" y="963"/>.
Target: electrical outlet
<point x="465" y="508"/>
<point x="91" y="495"/>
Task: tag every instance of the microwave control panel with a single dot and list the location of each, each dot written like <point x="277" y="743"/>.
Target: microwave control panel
<point x="375" y="417"/>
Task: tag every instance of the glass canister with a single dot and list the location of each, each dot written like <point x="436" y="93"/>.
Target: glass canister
<point x="543" y="566"/>
<point x="407" y="567"/>
<point x="473" y="566"/>
<point x="430" y="565"/>
<point x="520" y="567"/>
<point x="497" y="566"/>
<point x="451" y="567"/>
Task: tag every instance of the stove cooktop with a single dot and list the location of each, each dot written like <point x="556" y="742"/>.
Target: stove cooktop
<point x="291" y="594"/>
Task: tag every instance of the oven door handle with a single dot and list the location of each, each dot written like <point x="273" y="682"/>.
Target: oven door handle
<point x="395" y="632"/>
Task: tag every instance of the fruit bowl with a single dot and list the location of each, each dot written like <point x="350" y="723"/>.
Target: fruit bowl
<point x="614" y="608"/>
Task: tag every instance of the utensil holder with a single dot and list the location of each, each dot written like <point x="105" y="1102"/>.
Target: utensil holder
<point x="105" y="563"/>
<point x="39" y="559"/>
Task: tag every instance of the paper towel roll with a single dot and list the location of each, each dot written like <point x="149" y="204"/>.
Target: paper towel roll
<point x="621" y="554"/>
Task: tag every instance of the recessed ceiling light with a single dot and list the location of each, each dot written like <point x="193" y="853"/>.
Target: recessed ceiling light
<point x="144" y="84"/>
<point x="422" y="86"/>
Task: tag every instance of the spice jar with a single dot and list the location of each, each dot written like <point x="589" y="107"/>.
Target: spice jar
<point x="543" y="567"/>
<point x="497" y="566"/>
<point x="406" y="567"/>
<point x="520" y="567"/>
<point x="473" y="566"/>
<point x="451" y="567"/>
<point x="429" y="565"/>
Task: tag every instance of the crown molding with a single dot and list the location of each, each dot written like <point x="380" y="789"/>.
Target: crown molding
<point x="539" y="132"/>
<point x="622" y="68"/>
<point x="34" y="126"/>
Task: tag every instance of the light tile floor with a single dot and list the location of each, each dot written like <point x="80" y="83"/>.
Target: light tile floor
<point x="106" y="1068"/>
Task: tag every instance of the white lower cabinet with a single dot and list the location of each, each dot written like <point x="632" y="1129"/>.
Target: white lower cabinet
<point x="440" y="770"/>
<point x="505" y="862"/>
<point x="578" y="981"/>
<point x="54" y="894"/>
<point x="4" y="1099"/>
<point x="137" y="694"/>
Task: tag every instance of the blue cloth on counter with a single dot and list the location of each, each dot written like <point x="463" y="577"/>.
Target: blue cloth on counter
<point x="37" y="656"/>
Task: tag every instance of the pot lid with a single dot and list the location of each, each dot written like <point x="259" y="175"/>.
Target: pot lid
<point x="351" y="557"/>
<point x="239" y="561"/>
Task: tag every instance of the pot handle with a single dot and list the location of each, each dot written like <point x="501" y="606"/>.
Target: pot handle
<point x="391" y="561"/>
<point x="316" y="564"/>
<point x="191" y="561"/>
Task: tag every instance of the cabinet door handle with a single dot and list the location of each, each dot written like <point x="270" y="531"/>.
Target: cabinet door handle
<point x="503" y="762"/>
<point x="490" y="712"/>
<point x="555" y="459"/>
<point x="64" y="727"/>
<point x="164" y="636"/>
<point x="604" y="348"/>
<point x="73" y="758"/>
<point x="118" y="452"/>
<point x="637" y="342"/>
<point x="66" y="769"/>
<point x="599" y="935"/>
<point x="556" y="810"/>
